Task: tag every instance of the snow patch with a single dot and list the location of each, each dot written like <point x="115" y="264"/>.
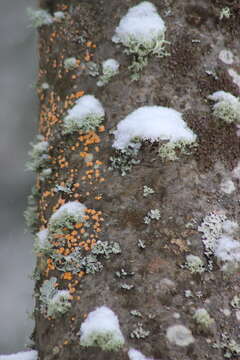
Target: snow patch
<point x="141" y="24"/>
<point x="136" y="355"/>
<point x="101" y="328"/>
<point x="23" y="355"/>
<point x="152" y="123"/>
<point x="86" y="114"/>
<point x="228" y="249"/>
<point x="72" y="208"/>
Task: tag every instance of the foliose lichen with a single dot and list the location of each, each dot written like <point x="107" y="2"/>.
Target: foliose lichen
<point x="194" y="264"/>
<point x="153" y="214"/>
<point x="39" y="17"/>
<point x="54" y="302"/>
<point x="110" y="68"/>
<point x="202" y="318"/>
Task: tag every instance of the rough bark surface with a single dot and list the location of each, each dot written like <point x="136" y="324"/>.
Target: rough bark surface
<point x="186" y="189"/>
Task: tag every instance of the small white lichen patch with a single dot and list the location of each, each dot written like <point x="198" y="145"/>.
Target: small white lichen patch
<point x="194" y="264"/>
<point x="70" y="63"/>
<point x="226" y="107"/>
<point x="23" y="355"/>
<point x="42" y="245"/>
<point x="110" y="68"/>
<point x="235" y="303"/>
<point x="101" y="328"/>
<point x="225" y="13"/>
<point x="227" y="186"/>
<point x="147" y="190"/>
<point x="39" y="17"/>
<point x="235" y="76"/>
<point x="202" y="317"/>
<point x="212" y="229"/>
<point x="87" y="114"/>
<point x="179" y="335"/>
<point x="137" y="355"/>
<point x="152" y="123"/>
<point x="226" y="56"/>
<point x="153" y="214"/>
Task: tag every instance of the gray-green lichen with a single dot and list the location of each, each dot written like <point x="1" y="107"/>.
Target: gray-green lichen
<point x="230" y="347"/>
<point x="226" y="107"/>
<point x="123" y="160"/>
<point x="142" y="32"/>
<point x="139" y="332"/>
<point x="194" y="264"/>
<point x="86" y="115"/>
<point x="225" y="13"/>
<point x="153" y="214"/>
<point x="70" y="63"/>
<point x="31" y="212"/>
<point x="202" y="318"/>
<point x="53" y="302"/>
<point x="106" y="248"/>
<point x="170" y="150"/>
<point x="39" y="17"/>
<point x="38" y="155"/>
<point x="147" y="190"/>
<point x="110" y="68"/>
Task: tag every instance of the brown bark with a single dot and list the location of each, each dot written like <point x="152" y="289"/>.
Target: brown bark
<point x="184" y="189"/>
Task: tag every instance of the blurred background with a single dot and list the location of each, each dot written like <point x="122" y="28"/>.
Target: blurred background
<point x="18" y="103"/>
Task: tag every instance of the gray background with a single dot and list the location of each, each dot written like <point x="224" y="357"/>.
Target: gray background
<point x="18" y="104"/>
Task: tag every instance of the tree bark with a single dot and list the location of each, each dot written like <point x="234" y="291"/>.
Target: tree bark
<point x="186" y="189"/>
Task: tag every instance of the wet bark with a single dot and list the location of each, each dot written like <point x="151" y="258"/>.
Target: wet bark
<point x="184" y="190"/>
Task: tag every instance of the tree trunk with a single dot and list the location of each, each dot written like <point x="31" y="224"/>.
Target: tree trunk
<point x="185" y="190"/>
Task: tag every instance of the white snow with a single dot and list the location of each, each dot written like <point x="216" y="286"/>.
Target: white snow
<point x="110" y="64"/>
<point x="101" y="328"/>
<point x="179" y="335"/>
<point x="152" y="123"/>
<point x="136" y="355"/>
<point x="221" y="95"/>
<point x="141" y="24"/>
<point x="86" y="106"/>
<point x="230" y="227"/>
<point x="73" y="208"/>
<point x="228" y="249"/>
<point x="23" y="355"/>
